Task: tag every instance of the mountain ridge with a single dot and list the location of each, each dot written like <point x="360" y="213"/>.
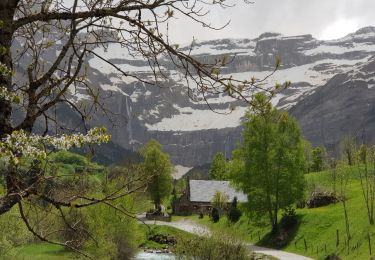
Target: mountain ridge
<point x="188" y="129"/>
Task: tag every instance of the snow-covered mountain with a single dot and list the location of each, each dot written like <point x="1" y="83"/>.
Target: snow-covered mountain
<point x="331" y="94"/>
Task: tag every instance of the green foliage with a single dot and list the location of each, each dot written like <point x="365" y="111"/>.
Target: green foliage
<point x="148" y="231"/>
<point x="348" y="149"/>
<point x="318" y="226"/>
<point x="180" y="187"/>
<point x="319" y="158"/>
<point x="220" y="200"/>
<point x="43" y="251"/>
<point x="289" y="218"/>
<point x="273" y="160"/>
<point x="159" y="169"/>
<point x="218" y="170"/>
<point x="117" y="233"/>
<point x="13" y="233"/>
<point x="234" y="214"/>
<point x="69" y="158"/>
<point x="217" y="246"/>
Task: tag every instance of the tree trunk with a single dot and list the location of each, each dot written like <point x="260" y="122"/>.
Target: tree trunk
<point x="8" y="201"/>
<point x="275" y="227"/>
<point x="16" y="190"/>
<point x="7" y="10"/>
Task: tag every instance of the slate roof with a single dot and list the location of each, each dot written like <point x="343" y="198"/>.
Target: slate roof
<point x="203" y="191"/>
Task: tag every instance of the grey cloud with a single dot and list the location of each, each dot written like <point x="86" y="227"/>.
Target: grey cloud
<point x="289" y="17"/>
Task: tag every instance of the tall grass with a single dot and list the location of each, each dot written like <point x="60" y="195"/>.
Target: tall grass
<point x="217" y="246"/>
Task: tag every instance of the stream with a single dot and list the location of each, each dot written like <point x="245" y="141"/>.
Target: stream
<point x="154" y="256"/>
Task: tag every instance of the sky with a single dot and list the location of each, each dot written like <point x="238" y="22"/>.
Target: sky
<point x="324" y="19"/>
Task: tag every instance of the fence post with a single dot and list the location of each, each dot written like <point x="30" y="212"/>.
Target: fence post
<point x="304" y="241"/>
<point x="337" y="238"/>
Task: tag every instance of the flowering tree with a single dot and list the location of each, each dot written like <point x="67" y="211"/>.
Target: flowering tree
<point x="32" y="84"/>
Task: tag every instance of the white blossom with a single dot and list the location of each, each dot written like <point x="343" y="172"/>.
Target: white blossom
<point x="22" y="144"/>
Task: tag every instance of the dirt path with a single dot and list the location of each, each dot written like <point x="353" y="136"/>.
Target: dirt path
<point x="198" y="229"/>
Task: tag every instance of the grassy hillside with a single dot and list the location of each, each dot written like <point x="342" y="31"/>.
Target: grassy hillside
<point x="316" y="226"/>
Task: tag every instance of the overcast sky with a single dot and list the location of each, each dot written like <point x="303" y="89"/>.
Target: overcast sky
<point x="324" y="19"/>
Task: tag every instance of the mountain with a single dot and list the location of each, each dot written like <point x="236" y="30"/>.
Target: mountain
<point x="343" y="106"/>
<point x="331" y="93"/>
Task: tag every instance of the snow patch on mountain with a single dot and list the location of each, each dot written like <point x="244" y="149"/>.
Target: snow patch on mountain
<point x="191" y="119"/>
<point x="336" y="49"/>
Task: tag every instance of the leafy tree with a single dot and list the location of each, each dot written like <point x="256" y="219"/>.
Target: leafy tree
<point x="308" y="155"/>
<point x="159" y="169"/>
<point x="366" y="157"/>
<point x="319" y="156"/>
<point x="273" y="156"/>
<point x="343" y="172"/>
<point x="218" y="170"/>
<point x="348" y="149"/>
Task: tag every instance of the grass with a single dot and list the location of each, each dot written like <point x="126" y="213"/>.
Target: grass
<point x="317" y="226"/>
<point x="42" y="251"/>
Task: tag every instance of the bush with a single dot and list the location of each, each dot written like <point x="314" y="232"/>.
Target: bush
<point x="215" y="215"/>
<point x="75" y="230"/>
<point x="215" y="247"/>
<point x="13" y="233"/>
<point x="69" y="158"/>
<point x="289" y="218"/>
<point x="234" y="214"/>
<point x="117" y="234"/>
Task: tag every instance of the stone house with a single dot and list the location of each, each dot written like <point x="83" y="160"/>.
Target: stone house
<point x="198" y="196"/>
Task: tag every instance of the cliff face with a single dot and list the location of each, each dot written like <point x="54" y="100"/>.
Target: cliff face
<point x="331" y="93"/>
<point x="344" y="106"/>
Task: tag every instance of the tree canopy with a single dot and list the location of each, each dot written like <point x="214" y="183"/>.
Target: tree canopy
<point x="159" y="169"/>
<point x="273" y="156"/>
<point x="218" y="170"/>
<point x="319" y="159"/>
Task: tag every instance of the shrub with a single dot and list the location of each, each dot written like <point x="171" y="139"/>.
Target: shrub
<point x="75" y="230"/>
<point x="215" y="215"/>
<point x="69" y="158"/>
<point x="289" y="218"/>
<point x="234" y="214"/>
<point x="13" y="233"/>
<point x="217" y="246"/>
